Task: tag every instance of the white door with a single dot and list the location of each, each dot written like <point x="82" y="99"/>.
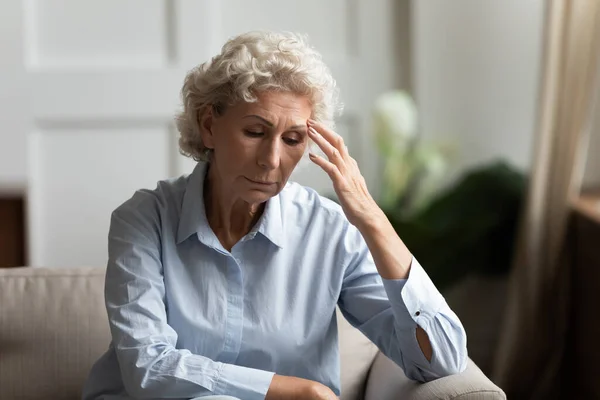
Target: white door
<point x="104" y="77"/>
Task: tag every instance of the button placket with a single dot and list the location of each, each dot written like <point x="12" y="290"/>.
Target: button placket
<point x="235" y="312"/>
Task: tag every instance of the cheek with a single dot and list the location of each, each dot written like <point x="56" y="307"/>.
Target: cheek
<point x="293" y="157"/>
<point x="303" y="149"/>
<point x="231" y="144"/>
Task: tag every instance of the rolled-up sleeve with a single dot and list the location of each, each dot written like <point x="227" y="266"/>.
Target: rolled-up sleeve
<point x="389" y="311"/>
<point x="151" y="366"/>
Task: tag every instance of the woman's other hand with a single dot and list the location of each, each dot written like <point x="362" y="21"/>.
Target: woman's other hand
<point x="292" y="388"/>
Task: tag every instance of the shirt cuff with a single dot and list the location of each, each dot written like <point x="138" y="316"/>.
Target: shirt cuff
<point x="413" y="299"/>
<point x="242" y="382"/>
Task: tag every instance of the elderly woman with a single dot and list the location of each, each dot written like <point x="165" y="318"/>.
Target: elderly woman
<point x="225" y="282"/>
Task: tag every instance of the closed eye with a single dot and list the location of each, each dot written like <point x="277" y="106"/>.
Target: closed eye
<point x="291" y="142"/>
<point x="253" y="133"/>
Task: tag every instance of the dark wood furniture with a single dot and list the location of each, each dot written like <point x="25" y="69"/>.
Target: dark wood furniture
<point x="583" y="352"/>
<point x="12" y="230"/>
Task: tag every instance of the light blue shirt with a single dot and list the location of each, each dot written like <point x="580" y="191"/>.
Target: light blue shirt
<point x="190" y="319"/>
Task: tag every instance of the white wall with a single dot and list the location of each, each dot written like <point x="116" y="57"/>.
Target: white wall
<point x="14" y="99"/>
<point x="475" y="69"/>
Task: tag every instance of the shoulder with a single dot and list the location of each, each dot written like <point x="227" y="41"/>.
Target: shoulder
<point x="154" y="204"/>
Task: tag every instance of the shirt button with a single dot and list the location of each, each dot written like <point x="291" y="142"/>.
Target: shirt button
<point x="418" y="313"/>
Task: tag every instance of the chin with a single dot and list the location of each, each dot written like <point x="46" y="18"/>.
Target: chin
<point x="257" y="196"/>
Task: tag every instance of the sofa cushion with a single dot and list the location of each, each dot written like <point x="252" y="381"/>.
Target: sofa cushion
<point x="53" y="327"/>
<point x="356" y="356"/>
<point x="388" y="382"/>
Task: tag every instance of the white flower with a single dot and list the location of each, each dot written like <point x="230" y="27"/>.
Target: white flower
<point x="433" y="166"/>
<point x="395" y="114"/>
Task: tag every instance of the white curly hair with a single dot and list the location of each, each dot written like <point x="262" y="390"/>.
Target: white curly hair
<point x="248" y="64"/>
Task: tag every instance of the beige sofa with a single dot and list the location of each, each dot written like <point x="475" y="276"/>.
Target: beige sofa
<point x="53" y="327"/>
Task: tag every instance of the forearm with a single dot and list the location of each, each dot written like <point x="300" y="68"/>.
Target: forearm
<point x="431" y="340"/>
<point x="392" y="258"/>
<point x="163" y="371"/>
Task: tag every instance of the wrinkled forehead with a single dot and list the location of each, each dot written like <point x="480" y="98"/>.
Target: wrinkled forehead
<point x="275" y="108"/>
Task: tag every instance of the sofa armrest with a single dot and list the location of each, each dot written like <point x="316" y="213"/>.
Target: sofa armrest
<point x="387" y="381"/>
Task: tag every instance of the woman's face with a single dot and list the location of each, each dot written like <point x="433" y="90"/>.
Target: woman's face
<point x="256" y="146"/>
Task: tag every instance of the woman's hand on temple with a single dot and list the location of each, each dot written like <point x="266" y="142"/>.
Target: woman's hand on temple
<point x="348" y="182"/>
<point x="391" y="256"/>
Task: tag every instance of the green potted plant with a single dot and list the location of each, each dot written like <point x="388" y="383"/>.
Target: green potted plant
<point x="467" y="226"/>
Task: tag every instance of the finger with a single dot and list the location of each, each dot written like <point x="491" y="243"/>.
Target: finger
<point x="330" y="168"/>
<point x="332" y="137"/>
<point x="330" y="151"/>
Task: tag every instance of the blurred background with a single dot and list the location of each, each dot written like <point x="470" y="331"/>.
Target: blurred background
<point x="475" y="122"/>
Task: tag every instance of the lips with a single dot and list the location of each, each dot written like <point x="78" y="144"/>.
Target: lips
<point x="261" y="182"/>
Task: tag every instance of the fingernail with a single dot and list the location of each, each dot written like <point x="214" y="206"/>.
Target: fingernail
<point x="312" y="155"/>
<point x="312" y="121"/>
<point x="313" y="131"/>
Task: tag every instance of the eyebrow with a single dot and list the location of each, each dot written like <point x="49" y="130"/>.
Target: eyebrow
<point x="270" y="124"/>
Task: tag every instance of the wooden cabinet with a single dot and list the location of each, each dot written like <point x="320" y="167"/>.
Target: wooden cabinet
<point x="583" y="350"/>
<point x="12" y="231"/>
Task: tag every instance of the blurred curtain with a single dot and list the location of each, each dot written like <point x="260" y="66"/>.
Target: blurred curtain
<point x="533" y="337"/>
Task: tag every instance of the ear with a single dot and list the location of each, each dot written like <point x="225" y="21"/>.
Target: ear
<point x="206" y="121"/>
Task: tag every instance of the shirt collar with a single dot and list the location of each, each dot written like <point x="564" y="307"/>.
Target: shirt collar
<point x="270" y="224"/>
<point x="193" y="219"/>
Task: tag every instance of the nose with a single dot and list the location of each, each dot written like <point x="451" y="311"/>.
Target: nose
<point x="269" y="154"/>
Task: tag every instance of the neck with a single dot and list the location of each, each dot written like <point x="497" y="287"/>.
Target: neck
<point x="229" y="217"/>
